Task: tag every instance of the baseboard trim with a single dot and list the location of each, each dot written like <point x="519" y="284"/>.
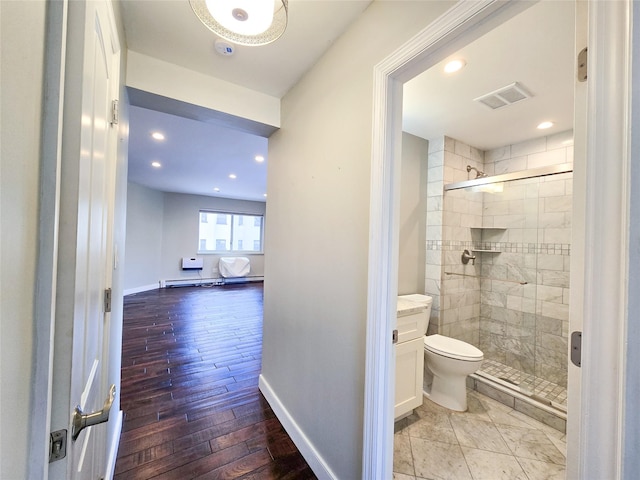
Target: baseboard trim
<point x="306" y="448"/>
<point x="113" y="450"/>
<point x="143" y="288"/>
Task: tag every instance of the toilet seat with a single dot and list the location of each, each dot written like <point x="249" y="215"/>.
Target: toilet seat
<point x="452" y="348"/>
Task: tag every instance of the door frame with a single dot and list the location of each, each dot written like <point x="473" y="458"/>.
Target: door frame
<point x="602" y="292"/>
<point x="59" y="130"/>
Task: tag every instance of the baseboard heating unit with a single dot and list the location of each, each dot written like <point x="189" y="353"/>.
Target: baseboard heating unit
<point x="196" y="282"/>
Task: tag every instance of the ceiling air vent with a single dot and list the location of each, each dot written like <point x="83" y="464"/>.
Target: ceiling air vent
<point x="504" y="96"/>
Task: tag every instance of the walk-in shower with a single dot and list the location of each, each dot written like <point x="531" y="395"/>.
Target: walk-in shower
<point x="512" y="301"/>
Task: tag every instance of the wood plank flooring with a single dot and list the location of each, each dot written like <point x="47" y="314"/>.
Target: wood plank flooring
<point x="191" y="358"/>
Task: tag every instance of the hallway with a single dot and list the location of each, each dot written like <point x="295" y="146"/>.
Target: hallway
<point x="191" y="358"/>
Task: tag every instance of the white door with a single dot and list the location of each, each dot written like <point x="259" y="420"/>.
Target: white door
<point x="84" y="267"/>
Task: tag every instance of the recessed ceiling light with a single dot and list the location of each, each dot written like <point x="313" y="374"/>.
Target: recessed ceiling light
<point x="232" y="176"/>
<point x="216" y="189"/>
<point x="157" y="136"/>
<point x="156" y="164"/>
<point x="454" y="65"/>
<point x="545" y="125"/>
<point x="259" y="158"/>
<point x="264" y="194"/>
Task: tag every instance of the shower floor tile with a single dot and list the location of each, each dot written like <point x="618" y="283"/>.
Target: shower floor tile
<point x="488" y="441"/>
<point x="526" y="383"/>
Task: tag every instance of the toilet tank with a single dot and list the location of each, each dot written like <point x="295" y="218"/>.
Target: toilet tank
<point x="412" y="317"/>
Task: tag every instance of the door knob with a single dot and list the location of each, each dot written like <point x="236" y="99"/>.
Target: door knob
<point x="82" y="420"/>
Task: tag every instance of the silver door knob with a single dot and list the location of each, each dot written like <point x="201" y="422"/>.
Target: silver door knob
<point x="82" y="420"/>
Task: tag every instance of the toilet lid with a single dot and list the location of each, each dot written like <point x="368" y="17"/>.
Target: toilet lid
<point x="450" y="347"/>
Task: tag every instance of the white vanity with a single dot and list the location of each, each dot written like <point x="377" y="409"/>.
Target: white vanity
<point x="411" y="325"/>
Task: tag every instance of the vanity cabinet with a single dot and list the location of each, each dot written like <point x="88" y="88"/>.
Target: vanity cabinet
<point x="411" y="325"/>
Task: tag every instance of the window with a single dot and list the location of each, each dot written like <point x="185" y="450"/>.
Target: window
<point x="230" y="232"/>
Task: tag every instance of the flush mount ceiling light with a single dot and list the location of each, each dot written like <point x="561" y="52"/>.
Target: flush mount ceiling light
<point x="156" y="164"/>
<point x="259" y="158"/>
<point x="244" y="22"/>
<point x="157" y="136"/>
<point x="454" y="65"/>
<point x="544" y="125"/>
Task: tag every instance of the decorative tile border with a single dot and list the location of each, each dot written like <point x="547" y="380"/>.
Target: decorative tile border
<point x="501" y="247"/>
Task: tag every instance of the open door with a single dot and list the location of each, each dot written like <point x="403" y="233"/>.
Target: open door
<point x="80" y="394"/>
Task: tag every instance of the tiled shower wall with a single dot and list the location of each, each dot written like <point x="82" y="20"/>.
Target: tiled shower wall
<point x="529" y="224"/>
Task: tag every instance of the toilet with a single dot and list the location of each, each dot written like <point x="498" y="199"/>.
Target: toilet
<point x="449" y="361"/>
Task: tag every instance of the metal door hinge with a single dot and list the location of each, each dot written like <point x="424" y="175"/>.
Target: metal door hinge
<point x="57" y="445"/>
<point x="582" y="65"/>
<point x="114" y="112"/>
<point x="576" y="348"/>
<point x="394" y="336"/>
<point x="107" y="300"/>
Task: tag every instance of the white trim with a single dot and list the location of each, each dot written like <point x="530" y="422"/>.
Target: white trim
<point x="306" y="448"/>
<point x="112" y="454"/>
<point x="606" y="229"/>
<point x="460" y="25"/>
<point x="143" y="288"/>
<point x="47" y="263"/>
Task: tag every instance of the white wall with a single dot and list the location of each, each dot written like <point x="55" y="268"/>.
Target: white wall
<point x="22" y="76"/>
<point x="163" y="227"/>
<point x="317" y="235"/>
<point x="413" y="209"/>
<point x="145" y="214"/>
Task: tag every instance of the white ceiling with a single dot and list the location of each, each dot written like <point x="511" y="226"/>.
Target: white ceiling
<point x="535" y="48"/>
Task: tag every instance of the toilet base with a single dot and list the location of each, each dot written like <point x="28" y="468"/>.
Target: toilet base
<point x="456" y="397"/>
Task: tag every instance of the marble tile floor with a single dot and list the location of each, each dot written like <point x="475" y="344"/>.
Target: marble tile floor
<point x="489" y="441"/>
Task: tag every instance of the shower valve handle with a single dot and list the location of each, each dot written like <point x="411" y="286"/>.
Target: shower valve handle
<point x="466" y="256"/>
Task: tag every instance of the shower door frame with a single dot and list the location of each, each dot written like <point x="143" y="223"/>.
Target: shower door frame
<point x="596" y="433"/>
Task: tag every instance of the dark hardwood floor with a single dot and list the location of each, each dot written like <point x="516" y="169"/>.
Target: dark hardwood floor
<point x="191" y="358"/>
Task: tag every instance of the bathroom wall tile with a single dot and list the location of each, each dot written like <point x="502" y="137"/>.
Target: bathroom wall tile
<point x="436" y="144"/>
<point x="434" y="257"/>
<point x="553" y="220"/>
<point x="493" y="298"/>
<point x="455" y="161"/>
<point x="550" y="262"/>
<point x="448" y="174"/>
<point x="402" y="476"/>
<point x="434" y="189"/>
<point x="435" y="174"/>
<point x="555" y="310"/>
<point x="544" y="159"/>
<point x="477" y="155"/>
<point x="555" y="278"/>
<point x="529" y="146"/>
<point x="510" y="165"/>
<point x="434" y="232"/>
<point x="561" y="203"/>
<point x="549" y="294"/>
<point x="557" y="235"/>
<point x="449" y="144"/>
<point x="462" y="149"/>
<point x="493" y="466"/>
<point x="436" y="159"/>
<point x="497" y="154"/>
<point x="566" y="294"/>
<point x="434" y="219"/>
<point x="554" y="188"/>
<point x="461" y="175"/>
<point x="560" y="140"/>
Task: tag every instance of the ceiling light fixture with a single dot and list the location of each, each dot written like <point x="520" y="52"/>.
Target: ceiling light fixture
<point x="259" y="158"/>
<point x="156" y="164"/>
<point x="454" y="65"/>
<point x="232" y="176"/>
<point x="157" y="136"/>
<point x="544" y="125"/>
<point x="216" y="189"/>
<point x="244" y="22"/>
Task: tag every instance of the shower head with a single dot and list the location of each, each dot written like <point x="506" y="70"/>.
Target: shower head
<point x="479" y="174"/>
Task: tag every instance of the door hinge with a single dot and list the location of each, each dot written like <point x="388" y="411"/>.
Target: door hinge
<point x="114" y="112"/>
<point x="394" y="337"/>
<point x="107" y="300"/>
<point x="582" y="65"/>
<point x="576" y="348"/>
<point x="57" y="445"/>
